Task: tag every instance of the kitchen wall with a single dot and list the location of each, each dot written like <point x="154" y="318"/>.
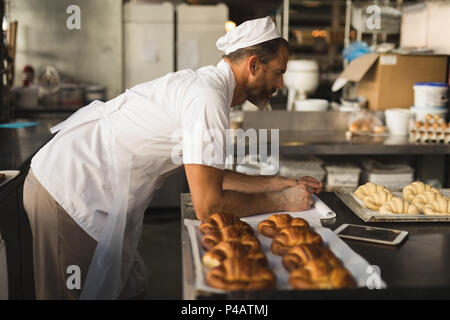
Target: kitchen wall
<point x="92" y="54"/>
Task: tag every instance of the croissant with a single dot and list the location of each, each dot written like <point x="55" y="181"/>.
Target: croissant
<point x="375" y="200"/>
<point x="219" y="220"/>
<point x="424" y="198"/>
<point x="294" y="236"/>
<point x="232" y="249"/>
<point x="399" y="206"/>
<point x="415" y="188"/>
<point x="229" y="233"/>
<point x="298" y="255"/>
<point x="369" y="188"/>
<point x="439" y="206"/>
<point x="321" y="274"/>
<point x="276" y="222"/>
<point x="241" y="274"/>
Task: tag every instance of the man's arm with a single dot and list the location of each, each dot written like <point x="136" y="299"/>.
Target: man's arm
<point x="250" y="184"/>
<point x="208" y="195"/>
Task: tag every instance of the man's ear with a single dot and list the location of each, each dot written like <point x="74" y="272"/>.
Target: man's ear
<point x="253" y="65"/>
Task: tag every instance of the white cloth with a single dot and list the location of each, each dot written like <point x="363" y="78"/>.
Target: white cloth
<point x="248" y="34"/>
<point x="183" y="113"/>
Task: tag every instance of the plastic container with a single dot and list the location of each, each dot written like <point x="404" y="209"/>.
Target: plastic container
<point x="397" y="120"/>
<point x="394" y="175"/>
<point x="342" y="176"/>
<point x="306" y="167"/>
<point x="421" y="112"/>
<point x="430" y="94"/>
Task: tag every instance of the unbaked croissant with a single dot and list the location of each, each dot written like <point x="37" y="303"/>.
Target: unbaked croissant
<point x="241" y="274"/>
<point x="231" y="249"/>
<point x="368" y="188"/>
<point x="321" y="274"/>
<point x="219" y="220"/>
<point x="375" y="200"/>
<point x="294" y="236"/>
<point x="229" y="233"/>
<point x="276" y="222"/>
<point x="298" y="255"/>
<point x="439" y="206"/>
<point x="415" y="188"/>
<point x="399" y="206"/>
<point x="424" y="198"/>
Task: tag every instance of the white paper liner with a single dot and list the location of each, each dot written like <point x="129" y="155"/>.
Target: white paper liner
<point x="318" y="211"/>
<point x="358" y="266"/>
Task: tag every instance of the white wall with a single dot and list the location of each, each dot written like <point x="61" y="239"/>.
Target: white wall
<point x="92" y="54"/>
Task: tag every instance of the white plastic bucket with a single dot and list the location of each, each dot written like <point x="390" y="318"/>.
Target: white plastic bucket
<point x="430" y="94"/>
<point x="397" y="120"/>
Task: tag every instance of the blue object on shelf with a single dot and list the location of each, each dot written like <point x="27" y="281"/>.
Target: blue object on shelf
<point x="18" y="125"/>
<point x="356" y="50"/>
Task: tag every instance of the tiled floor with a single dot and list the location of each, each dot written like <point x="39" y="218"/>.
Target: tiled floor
<point x="160" y="247"/>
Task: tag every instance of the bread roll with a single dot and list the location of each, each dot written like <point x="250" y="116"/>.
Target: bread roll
<point x="231" y="249"/>
<point x="241" y="274"/>
<point x="399" y="206"/>
<point x="321" y="274"/>
<point x="424" y="198"/>
<point x="219" y="220"/>
<point x="415" y="188"/>
<point x="229" y="233"/>
<point x="276" y="222"/>
<point x="294" y="236"/>
<point x="440" y="206"/>
<point x="297" y="256"/>
<point x="375" y="200"/>
<point x="368" y="188"/>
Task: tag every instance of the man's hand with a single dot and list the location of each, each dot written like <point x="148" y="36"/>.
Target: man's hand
<point x="297" y="198"/>
<point x="311" y="184"/>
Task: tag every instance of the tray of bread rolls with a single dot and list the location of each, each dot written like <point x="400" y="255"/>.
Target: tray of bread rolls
<point x="416" y="202"/>
<point x="280" y="252"/>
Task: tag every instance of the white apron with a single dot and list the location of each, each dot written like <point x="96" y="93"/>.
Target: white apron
<point x="103" y="278"/>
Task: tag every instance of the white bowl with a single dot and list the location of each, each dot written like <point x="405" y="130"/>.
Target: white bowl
<point x="311" y="105"/>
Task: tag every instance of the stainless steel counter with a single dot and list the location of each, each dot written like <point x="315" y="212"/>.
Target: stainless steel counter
<point x="335" y="143"/>
<point x="323" y="133"/>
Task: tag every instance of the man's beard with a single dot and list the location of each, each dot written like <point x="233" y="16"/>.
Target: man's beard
<point x="260" y="97"/>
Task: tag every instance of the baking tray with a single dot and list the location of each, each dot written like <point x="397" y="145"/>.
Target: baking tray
<point x="367" y="215"/>
<point x="356" y="264"/>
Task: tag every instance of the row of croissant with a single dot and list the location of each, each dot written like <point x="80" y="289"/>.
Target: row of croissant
<point x="236" y="262"/>
<point x="418" y="198"/>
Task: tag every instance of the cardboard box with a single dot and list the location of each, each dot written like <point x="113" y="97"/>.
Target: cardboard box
<point x="387" y="80"/>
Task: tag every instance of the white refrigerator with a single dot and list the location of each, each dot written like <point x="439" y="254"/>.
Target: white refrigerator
<point x="148" y="41"/>
<point x="198" y="28"/>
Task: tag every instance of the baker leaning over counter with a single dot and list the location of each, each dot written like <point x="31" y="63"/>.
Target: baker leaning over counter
<point x="88" y="188"/>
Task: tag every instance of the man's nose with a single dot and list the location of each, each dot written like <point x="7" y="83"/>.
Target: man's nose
<point x="279" y="83"/>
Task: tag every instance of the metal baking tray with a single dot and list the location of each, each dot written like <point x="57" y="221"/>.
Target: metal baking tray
<point x="367" y="215"/>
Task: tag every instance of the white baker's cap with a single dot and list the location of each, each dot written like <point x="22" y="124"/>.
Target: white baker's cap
<point x="248" y="34"/>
